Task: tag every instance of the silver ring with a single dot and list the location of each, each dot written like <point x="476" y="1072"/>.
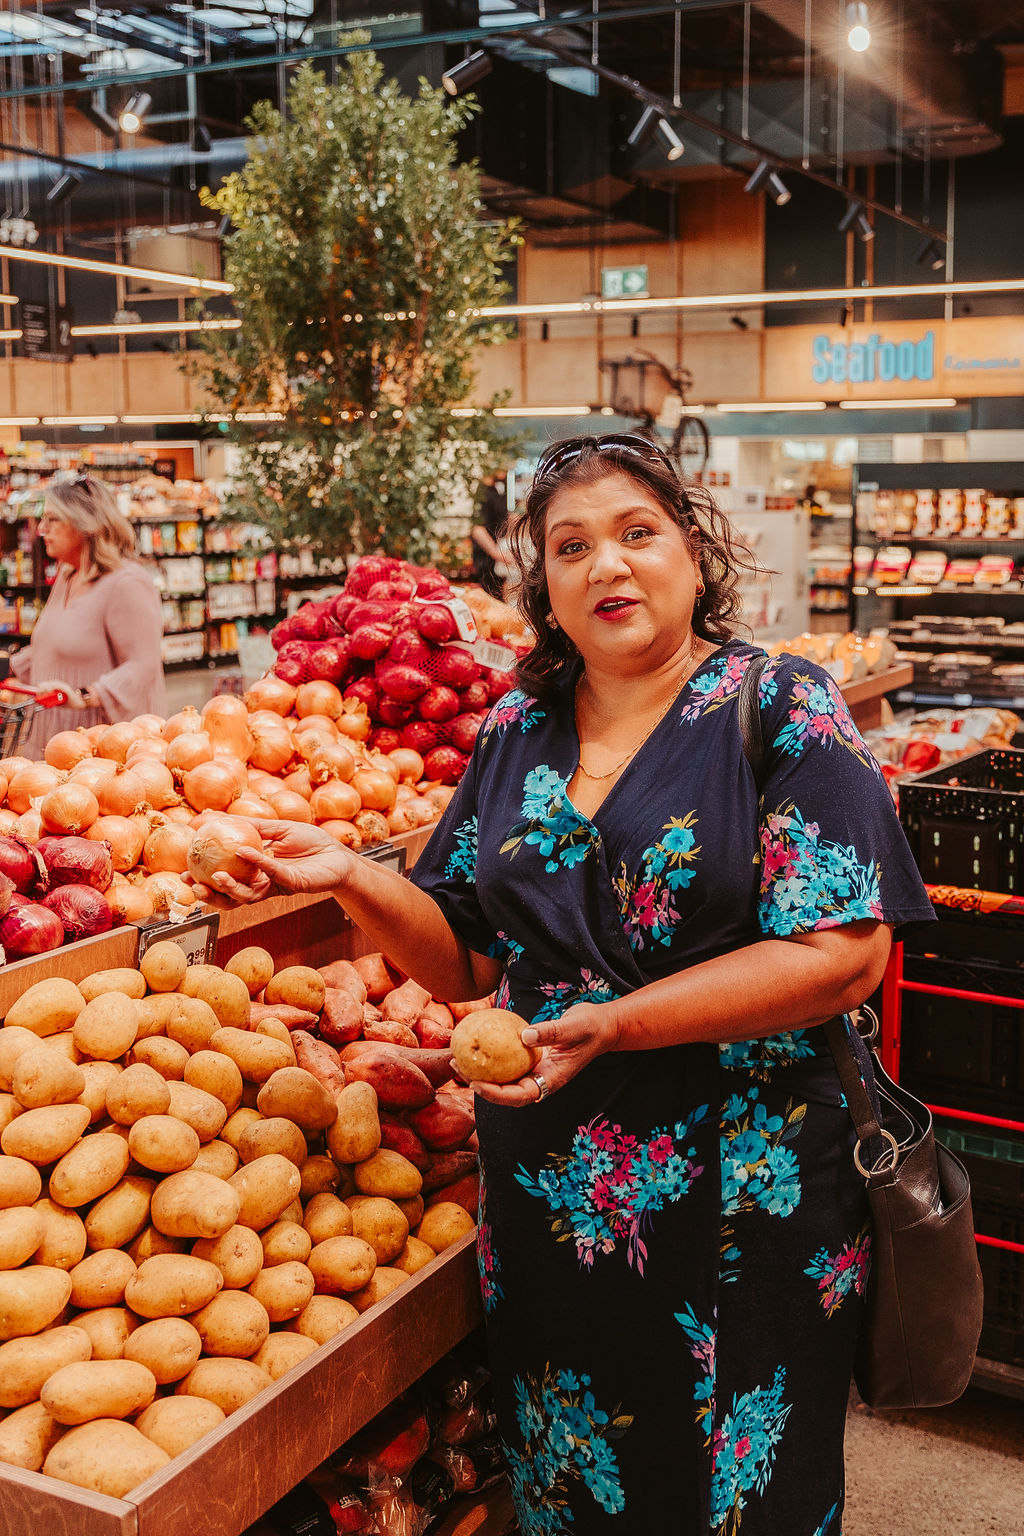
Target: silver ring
<point x="542" y="1088"/>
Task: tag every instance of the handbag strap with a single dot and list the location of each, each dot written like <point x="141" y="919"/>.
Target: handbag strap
<point x="864" y="1119"/>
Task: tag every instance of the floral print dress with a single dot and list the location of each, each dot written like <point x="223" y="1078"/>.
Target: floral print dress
<point x="674" y="1247"/>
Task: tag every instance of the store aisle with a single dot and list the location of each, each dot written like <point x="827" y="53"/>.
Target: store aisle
<point x="956" y="1471"/>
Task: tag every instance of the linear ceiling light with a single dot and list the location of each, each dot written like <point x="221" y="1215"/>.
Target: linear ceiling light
<point x="855" y="217"/>
<point x="9" y="298"/>
<point x="763" y="406"/>
<point x="858" y="37"/>
<point x="170" y="418"/>
<point x="940" y="403"/>
<point x="19" y="421"/>
<point x="155" y="328"/>
<point x="462" y="76"/>
<point x="79" y="421"/>
<point x="131" y="115"/>
<point x="542" y="410"/>
<point x="115" y="269"/>
<point x="11" y="335"/>
<point x="772" y="183"/>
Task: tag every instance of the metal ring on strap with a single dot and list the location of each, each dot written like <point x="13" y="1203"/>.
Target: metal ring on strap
<point x="882" y="1166"/>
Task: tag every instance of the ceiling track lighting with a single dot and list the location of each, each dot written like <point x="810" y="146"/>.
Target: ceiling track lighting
<point x="95" y="109"/>
<point x="931" y="253"/>
<point x="200" y="141"/>
<point x="65" y="186"/>
<point x="858" y="36"/>
<point x="464" y="75"/>
<point x="131" y="115"/>
<point x="856" y="218"/>
<point x="769" y="179"/>
<point x="116" y="269"/>
<point x="650" y="124"/>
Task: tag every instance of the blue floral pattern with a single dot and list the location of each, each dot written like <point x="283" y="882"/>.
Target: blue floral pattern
<point x="462" y="858"/>
<point x="764" y="1056"/>
<point x="611" y="1184"/>
<point x="565" y="994"/>
<point x="488" y="1263"/>
<point x="551" y="823"/>
<point x="818" y="713"/>
<point x="712" y="685"/>
<point x="759" y="1171"/>
<point x="808" y="882"/>
<point x="515" y="708"/>
<point x="844" y="1273"/>
<point x="567" y="1441"/>
<point x="646" y="902"/>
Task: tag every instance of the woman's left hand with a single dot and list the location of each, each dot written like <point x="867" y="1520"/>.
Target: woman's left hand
<point x="568" y="1044"/>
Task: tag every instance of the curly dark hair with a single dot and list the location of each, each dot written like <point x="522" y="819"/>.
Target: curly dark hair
<point x="718" y="554"/>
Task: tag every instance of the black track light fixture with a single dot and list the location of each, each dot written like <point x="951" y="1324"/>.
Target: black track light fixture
<point x="462" y="76"/>
<point x="224" y="227"/>
<point x="856" y="218"/>
<point x="199" y="139"/>
<point x="651" y="124"/>
<point x="94" y="109"/>
<point x="764" y="176"/>
<point x="64" y="187"/>
<point x="930" y="253"/>
<point x="131" y="115"/>
<point x="739" y="322"/>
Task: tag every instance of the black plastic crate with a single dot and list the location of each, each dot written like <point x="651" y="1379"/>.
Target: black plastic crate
<point x="965" y="822"/>
<point x="995" y="1164"/>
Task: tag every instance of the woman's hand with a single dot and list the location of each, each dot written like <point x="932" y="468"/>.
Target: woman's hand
<point x="568" y="1044"/>
<point x="297" y="859"/>
<point x="74" y="699"/>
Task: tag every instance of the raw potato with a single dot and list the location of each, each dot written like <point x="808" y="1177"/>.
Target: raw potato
<point x="31" y="1298"/>
<point x="176" y="1423"/>
<point x="215" y="1073"/>
<point x="283" y="1289"/>
<point x="64" y="1044"/>
<point x="388" y="1173"/>
<point x="14" y="1041"/>
<point x="320" y="1175"/>
<point x="254" y="965"/>
<point x="284" y="1242"/>
<point x="168" y="1346"/>
<point x="412" y="1210"/>
<point x="238" y="1254"/>
<point x="297" y="985"/>
<point x="137" y="1091"/>
<point x="256" y="1056"/>
<point x="10" y="1109"/>
<point x="25" y="1364"/>
<point x="106" y="1028"/>
<point x="444" y="1223"/>
<point x="233" y="1324"/>
<point x="282" y="1351"/>
<point x="172" y="1285"/>
<point x="277" y="1029"/>
<point x="109" y="1329"/>
<point x="299" y="1096"/>
<point x="342" y="1264"/>
<point x="226" y="994"/>
<point x="64" y="1237"/>
<point x="322" y="1317"/>
<point x="99" y="1077"/>
<point x="21" y="1183"/>
<point x="99" y="1279"/>
<point x="129" y="982"/>
<point x="47" y="1007"/>
<point x="196" y="1205"/>
<point x="355" y="1134"/>
<point x="380" y="1284"/>
<point x="265" y="1187"/>
<point x="43" y="1076"/>
<point x="150" y="1242"/>
<point x="98" y="1389"/>
<point x="277" y="1135"/>
<point x="121" y="1215"/>
<point x="326" y="1216"/>
<point x="21" y="1232"/>
<point x="41" y="1136"/>
<point x="91" y="1169"/>
<point x="413" y="1256"/>
<point x="154" y="1010"/>
<point x="201" y="1110"/>
<point x="217" y="1158"/>
<point x="487" y="1048"/>
<point x="236" y="1124"/>
<point x="190" y="1021"/>
<point x="164" y="966"/>
<point x="27" y="1436"/>
<point x="163" y="1143"/>
<point x="105" y="1455"/>
<point x="380" y="1223"/>
<point x="165" y="1056"/>
<point x="228" y="1383"/>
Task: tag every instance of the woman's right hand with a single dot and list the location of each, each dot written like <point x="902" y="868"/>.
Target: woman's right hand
<point x="297" y="859"/>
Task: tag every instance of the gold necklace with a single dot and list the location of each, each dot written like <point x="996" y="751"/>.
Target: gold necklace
<point x="597" y="777"/>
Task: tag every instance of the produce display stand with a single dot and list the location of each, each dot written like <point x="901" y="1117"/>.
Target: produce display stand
<point x="864" y="696"/>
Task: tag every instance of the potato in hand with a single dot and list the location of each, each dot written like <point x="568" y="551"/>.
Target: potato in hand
<point x="487" y="1048"/>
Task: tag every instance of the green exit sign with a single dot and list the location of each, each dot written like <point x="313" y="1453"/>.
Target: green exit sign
<point x="624" y="282"/>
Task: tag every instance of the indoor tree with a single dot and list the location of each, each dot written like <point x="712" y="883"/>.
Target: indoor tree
<point x="359" y="256"/>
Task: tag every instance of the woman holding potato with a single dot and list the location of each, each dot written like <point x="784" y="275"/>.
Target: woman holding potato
<point x="673" y="1240"/>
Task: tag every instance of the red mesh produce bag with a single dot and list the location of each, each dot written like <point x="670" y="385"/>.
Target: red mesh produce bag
<point x="445" y="764"/>
<point x="410" y="647"/>
<point x="438" y="704"/>
<point x="454" y="666"/>
<point x="401" y="682"/>
<point x="421" y="735"/>
<point x="329" y="660"/>
<point x="370" y="569"/>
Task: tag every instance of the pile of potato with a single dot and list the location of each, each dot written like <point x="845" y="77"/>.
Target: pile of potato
<point x="187" y="1211"/>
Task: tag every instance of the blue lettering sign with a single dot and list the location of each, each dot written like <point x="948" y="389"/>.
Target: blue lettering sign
<point x="862" y="362"/>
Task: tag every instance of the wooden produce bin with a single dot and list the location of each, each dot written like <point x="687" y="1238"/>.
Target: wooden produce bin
<point x="864" y="696"/>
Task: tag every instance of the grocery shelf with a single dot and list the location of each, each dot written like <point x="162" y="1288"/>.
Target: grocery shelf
<point x="958" y="700"/>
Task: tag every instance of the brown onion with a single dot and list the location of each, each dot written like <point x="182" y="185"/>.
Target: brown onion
<point x="371" y="826"/>
<point x="125" y="837"/>
<point x="330" y="761"/>
<point x="344" y="831"/>
<point x="385" y="763"/>
<point x="226" y="722"/>
<point x="151" y="725"/>
<point x="32" y="783"/>
<point x="67" y="748"/>
<point x="408" y="763"/>
<point x="354" y="721"/>
<point x="318" y="698"/>
<point x="181" y="814"/>
<point x="314" y="722"/>
<point x="187" y="751"/>
<point x="250" y="804"/>
<point x="187" y="720"/>
<point x="9" y="766"/>
<point x="166" y="848"/>
<point x="116" y="740"/>
<point x="268" y="717"/>
<point x="94" y="732"/>
<point x="298" y="782"/>
<point x="271" y="693"/>
<point x="375" y="788"/>
<point x="70" y="808"/>
<point x="210" y="786"/>
<point x="167" y="887"/>
<point x="335" y="801"/>
<point x="156" y="782"/>
<point x="121" y="795"/>
<point x="261" y="783"/>
<point x="214" y="849"/>
<point x="92" y="771"/>
<point x="128" y="903"/>
<point x="289" y="806"/>
<point x="273" y="747"/>
<point x="29" y="826"/>
<point x="9" y="817"/>
<point x="153" y="748"/>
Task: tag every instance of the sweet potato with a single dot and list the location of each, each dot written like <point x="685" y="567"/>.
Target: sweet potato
<point x="446" y="1167"/>
<point x="398" y="1084"/>
<point x="432" y="1034"/>
<point x="342" y="1018"/>
<point x="397" y="1136"/>
<point x="320" y="1059"/>
<point x="374" y="975"/>
<point x="464" y="1192"/>
<point x="371" y="1014"/>
<point x="405" y="1003"/>
<point x="439" y="1012"/>
<point x="294" y="1018"/>
<point x="342" y="975"/>
<point x="390" y="1032"/>
<point x="459" y="1010"/>
<point x="436" y="1066"/>
<point x="443" y="1125"/>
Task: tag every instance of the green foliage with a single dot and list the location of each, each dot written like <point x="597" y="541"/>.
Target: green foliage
<point x="358" y="256"/>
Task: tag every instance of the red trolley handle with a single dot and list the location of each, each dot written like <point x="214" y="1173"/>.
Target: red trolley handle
<point x="49" y="698"/>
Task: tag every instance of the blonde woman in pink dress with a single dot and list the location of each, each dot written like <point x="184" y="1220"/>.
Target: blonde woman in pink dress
<point x="98" y="637"/>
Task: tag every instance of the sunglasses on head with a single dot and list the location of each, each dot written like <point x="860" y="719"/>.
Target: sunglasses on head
<point x="559" y="455"/>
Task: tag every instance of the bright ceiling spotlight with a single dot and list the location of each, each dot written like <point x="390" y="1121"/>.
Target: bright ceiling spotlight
<point x="462" y="76"/>
<point x="772" y="183"/>
<point x="855" y="217"/>
<point x="651" y="123"/>
<point x="130" y="117"/>
<point x="858" y="38"/>
<point x="930" y="253"/>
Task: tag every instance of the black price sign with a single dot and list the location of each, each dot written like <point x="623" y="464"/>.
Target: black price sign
<point x="388" y="855"/>
<point x="197" y="936"/>
<point x="46" y="332"/>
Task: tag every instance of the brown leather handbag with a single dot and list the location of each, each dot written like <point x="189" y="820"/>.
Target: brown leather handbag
<point x="924" y="1302"/>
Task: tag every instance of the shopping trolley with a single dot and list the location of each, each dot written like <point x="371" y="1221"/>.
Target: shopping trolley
<point x="16" y="719"/>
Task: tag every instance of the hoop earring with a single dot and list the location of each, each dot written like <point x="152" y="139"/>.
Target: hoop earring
<point x="700" y="588"/>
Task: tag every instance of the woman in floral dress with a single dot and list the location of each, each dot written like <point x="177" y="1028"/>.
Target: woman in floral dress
<point x="673" y="1240"/>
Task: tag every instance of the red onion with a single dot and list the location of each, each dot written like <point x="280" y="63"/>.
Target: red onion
<point x="6" y="892"/>
<point x="17" y="862"/>
<point x="30" y="929"/>
<point x="81" y="909"/>
<point x="77" y="861"/>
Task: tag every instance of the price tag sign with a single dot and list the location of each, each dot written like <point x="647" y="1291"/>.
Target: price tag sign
<point x="388" y="855"/>
<point x="487" y="653"/>
<point x="197" y="936"/>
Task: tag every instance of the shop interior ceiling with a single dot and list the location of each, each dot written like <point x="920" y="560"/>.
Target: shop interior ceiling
<point x="568" y="81"/>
